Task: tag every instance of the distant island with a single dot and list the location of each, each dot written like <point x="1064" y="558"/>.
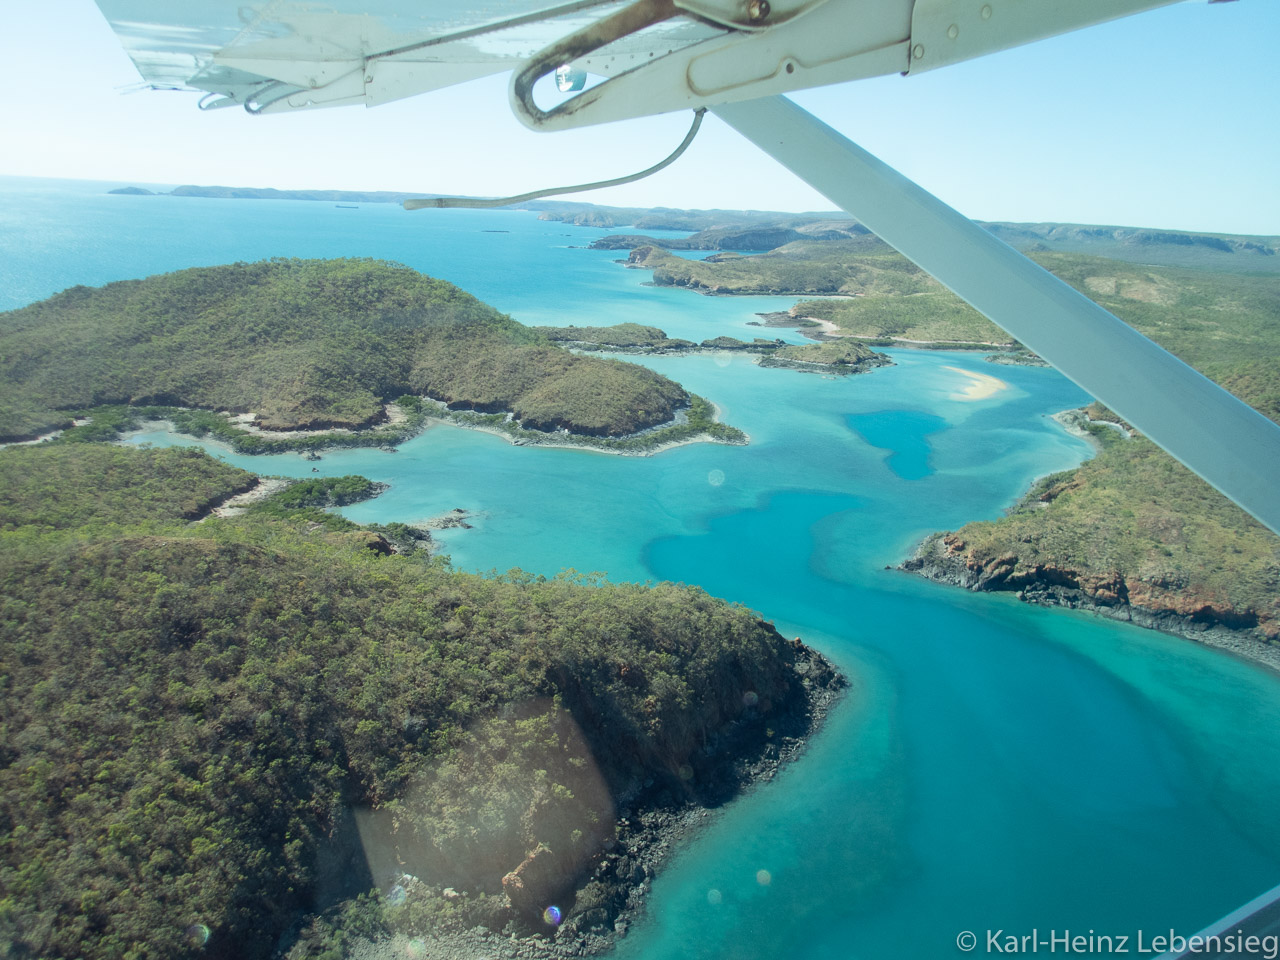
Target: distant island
<point x="846" y="356"/>
<point x="292" y="354"/>
<point x="764" y="230"/>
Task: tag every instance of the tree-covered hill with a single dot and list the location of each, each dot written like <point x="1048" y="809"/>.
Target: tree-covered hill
<point x="1132" y="533"/>
<point x="305" y="344"/>
<point x="208" y="732"/>
<point x="117" y="485"/>
<point x="621" y="336"/>
<point x="805" y="267"/>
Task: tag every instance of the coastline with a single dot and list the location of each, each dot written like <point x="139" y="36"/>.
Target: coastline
<point x="651" y="831"/>
<point x="935" y="559"/>
<point x="943" y="557"/>
<point x="573" y="444"/>
<point x="238" y="503"/>
<point x="398" y="419"/>
<point x="648" y="442"/>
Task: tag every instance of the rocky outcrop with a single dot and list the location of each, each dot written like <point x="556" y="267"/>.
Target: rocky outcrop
<point x="733" y="343"/>
<point x="597" y="902"/>
<point x="834" y="356"/>
<point x="1160" y="604"/>
<point x="539" y="882"/>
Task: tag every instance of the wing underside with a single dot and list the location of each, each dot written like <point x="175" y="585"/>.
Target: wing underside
<point x="654" y="56"/>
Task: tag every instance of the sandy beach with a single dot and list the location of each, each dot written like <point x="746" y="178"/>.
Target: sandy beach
<point x="981" y="385"/>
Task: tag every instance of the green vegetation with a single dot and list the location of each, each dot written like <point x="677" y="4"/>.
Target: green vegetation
<point x="220" y="426"/>
<point x="1219" y="252"/>
<point x="802" y="268"/>
<point x="107" y="423"/>
<point x="309" y="501"/>
<point x="698" y="421"/>
<point x="1224" y="325"/>
<point x="924" y="318"/>
<point x="304" y="344"/>
<point x="758" y="345"/>
<point x="328" y="492"/>
<point x="1136" y="523"/>
<point x="214" y="724"/>
<point x="846" y="356"/>
<point x="50" y="487"/>
<point x="1132" y="519"/>
<point x="624" y="336"/>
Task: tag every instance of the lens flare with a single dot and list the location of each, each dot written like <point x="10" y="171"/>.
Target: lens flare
<point x="750" y="698"/>
<point x="417" y="947"/>
<point x="197" y="934"/>
<point x="715" y="897"/>
<point x="715" y="477"/>
<point x="397" y="895"/>
<point x="552" y="916"/>
<point x="764" y="877"/>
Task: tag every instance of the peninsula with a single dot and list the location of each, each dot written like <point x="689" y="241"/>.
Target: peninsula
<point x="1132" y="534"/>
<point x="291" y="346"/>
<point x="223" y="733"/>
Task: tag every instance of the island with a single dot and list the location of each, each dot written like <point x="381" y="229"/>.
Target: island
<point x="831" y="357"/>
<point x="224" y="732"/>
<point x="294" y="354"/>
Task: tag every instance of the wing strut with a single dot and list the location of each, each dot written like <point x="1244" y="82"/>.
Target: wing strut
<point x="1221" y="438"/>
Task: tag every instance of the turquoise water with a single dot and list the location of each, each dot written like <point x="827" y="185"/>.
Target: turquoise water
<point x="994" y="766"/>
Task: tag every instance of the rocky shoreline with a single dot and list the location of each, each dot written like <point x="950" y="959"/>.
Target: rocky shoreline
<point x="651" y="828"/>
<point x="818" y="366"/>
<point x="946" y="558"/>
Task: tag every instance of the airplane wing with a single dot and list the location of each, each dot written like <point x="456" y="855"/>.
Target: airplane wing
<point x="656" y="55"/>
<point x="281" y="55"/>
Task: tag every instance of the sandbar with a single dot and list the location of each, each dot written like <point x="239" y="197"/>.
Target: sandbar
<point x="981" y="385"/>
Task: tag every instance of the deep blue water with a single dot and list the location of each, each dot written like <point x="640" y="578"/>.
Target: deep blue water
<point x="904" y="434"/>
<point x="994" y="766"/>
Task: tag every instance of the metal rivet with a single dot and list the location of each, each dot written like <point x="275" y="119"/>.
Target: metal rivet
<point x="757" y="10"/>
<point x="953" y="31"/>
<point x="917" y="51"/>
<point x="986" y="12"/>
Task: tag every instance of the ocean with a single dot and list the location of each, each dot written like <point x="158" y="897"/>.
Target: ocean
<point x="994" y="767"/>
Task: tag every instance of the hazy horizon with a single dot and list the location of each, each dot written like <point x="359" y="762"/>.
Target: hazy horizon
<point x="115" y="183"/>
<point x="1150" y="120"/>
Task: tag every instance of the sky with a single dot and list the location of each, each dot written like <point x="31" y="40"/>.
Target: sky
<point x="1165" y="119"/>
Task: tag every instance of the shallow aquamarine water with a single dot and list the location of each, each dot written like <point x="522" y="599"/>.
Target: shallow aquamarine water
<point x="994" y="766"/>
